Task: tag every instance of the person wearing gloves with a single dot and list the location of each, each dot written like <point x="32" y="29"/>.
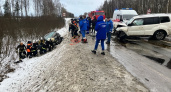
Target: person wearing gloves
<point x="109" y="28"/>
<point x="101" y="34"/>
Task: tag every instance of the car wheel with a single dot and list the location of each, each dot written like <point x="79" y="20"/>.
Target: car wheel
<point x="122" y="36"/>
<point x="159" y="35"/>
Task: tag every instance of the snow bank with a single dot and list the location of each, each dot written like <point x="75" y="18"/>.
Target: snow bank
<point x="63" y="31"/>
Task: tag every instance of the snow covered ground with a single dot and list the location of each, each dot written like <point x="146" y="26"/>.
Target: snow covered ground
<point x="71" y="68"/>
<point x="28" y="63"/>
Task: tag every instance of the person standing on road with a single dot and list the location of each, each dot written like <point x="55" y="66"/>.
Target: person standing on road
<point x="93" y="24"/>
<point x="101" y="34"/>
<point x="83" y="28"/>
<point x="88" y="24"/>
<point x="109" y="28"/>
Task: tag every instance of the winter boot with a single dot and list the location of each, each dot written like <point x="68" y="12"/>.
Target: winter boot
<point x="103" y="53"/>
<point x="93" y="51"/>
<point x="84" y="40"/>
<point x="107" y="42"/>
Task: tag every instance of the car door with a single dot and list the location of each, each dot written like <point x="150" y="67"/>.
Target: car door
<point x="136" y="28"/>
<point x="151" y="25"/>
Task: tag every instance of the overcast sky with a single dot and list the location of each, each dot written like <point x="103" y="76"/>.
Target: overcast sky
<point x="78" y="7"/>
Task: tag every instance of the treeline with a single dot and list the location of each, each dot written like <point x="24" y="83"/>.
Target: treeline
<point x="141" y="6"/>
<point x="37" y="8"/>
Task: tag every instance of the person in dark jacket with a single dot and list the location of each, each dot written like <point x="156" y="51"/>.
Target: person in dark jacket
<point x="109" y="28"/>
<point x="48" y="44"/>
<point x="29" y="48"/>
<point x="76" y="30"/>
<point x="83" y="28"/>
<point x="101" y="34"/>
<point x="93" y="24"/>
<point x="34" y="48"/>
<point x="51" y="43"/>
<point x="73" y="29"/>
<point x="42" y="46"/>
<point x="22" y="52"/>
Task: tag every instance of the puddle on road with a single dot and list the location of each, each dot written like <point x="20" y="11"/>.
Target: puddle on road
<point x="169" y="64"/>
<point x="148" y="53"/>
<point x="158" y="60"/>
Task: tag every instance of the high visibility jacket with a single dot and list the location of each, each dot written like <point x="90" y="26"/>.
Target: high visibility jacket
<point x="28" y="48"/>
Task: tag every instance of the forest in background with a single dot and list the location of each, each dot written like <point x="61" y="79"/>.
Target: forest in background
<point x="141" y="6"/>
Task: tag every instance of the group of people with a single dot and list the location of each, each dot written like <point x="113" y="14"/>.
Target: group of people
<point x="103" y="28"/>
<point x="85" y="24"/>
<point x="31" y="49"/>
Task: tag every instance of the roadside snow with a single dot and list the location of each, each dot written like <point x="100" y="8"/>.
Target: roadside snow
<point x="63" y="31"/>
<point x="28" y="65"/>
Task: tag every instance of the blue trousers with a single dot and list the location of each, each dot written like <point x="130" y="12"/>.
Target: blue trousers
<point x="88" y="28"/>
<point x="83" y="33"/>
<point x="97" y="43"/>
<point x="108" y="36"/>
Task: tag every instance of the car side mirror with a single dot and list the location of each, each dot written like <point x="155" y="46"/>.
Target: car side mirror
<point x="129" y="24"/>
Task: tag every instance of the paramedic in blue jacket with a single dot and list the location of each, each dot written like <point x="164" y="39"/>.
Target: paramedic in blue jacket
<point x="83" y="28"/>
<point x="88" y="24"/>
<point x="109" y="28"/>
<point x="101" y="34"/>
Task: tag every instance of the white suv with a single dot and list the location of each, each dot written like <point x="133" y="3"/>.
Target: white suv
<point x="158" y="26"/>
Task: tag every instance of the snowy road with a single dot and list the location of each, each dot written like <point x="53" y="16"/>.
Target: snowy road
<point x="72" y="68"/>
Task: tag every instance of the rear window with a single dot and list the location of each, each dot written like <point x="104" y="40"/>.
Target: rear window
<point x="153" y="20"/>
<point x="164" y="19"/>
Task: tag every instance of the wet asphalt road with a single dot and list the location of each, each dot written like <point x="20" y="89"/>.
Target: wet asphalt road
<point x="158" y="51"/>
<point x="147" y="60"/>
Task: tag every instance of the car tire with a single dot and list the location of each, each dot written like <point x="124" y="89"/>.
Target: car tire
<point x="159" y="35"/>
<point x="122" y="36"/>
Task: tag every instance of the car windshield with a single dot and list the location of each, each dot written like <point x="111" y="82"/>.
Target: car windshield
<point x="99" y="13"/>
<point x="49" y="35"/>
<point x="127" y="17"/>
<point x="130" y="21"/>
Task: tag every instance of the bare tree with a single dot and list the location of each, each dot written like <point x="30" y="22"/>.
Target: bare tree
<point x="26" y="6"/>
<point x="17" y="9"/>
<point x="7" y="9"/>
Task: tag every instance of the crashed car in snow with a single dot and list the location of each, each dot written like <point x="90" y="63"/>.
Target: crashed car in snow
<point x="57" y="39"/>
<point x="156" y="26"/>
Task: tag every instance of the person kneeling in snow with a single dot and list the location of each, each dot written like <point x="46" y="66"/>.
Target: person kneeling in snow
<point x="101" y="34"/>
